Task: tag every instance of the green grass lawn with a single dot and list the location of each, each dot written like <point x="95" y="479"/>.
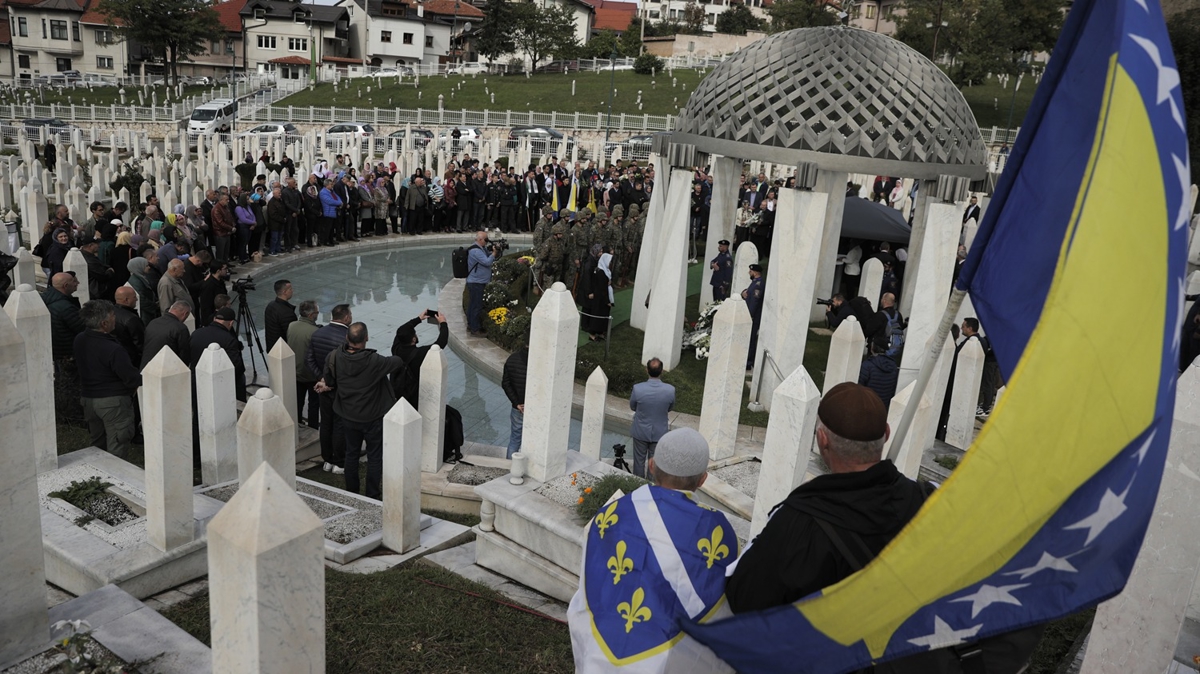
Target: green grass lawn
<point x="419" y="618"/>
<point x="103" y="96"/>
<point x="546" y="93"/>
<point x="990" y="102"/>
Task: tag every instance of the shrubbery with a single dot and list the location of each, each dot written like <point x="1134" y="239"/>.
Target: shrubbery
<point x="648" y="64"/>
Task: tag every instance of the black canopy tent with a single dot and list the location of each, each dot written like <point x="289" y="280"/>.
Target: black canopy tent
<point x="865" y="219"/>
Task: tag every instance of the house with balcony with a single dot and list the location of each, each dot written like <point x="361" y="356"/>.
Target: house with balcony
<point x="47" y="36"/>
<point x="660" y="11"/>
<point x="878" y="16"/>
<point x="287" y="37"/>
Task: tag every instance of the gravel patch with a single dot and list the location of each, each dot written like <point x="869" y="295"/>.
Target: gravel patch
<point x="52" y="662"/>
<point x="354" y="526"/>
<point x="741" y="476"/>
<point x="320" y="508"/>
<point x="561" y="491"/>
<point x="474" y="475"/>
<point x="109" y="509"/>
<point x="131" y="535"/>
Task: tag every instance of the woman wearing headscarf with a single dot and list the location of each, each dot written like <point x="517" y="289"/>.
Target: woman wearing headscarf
<point x="119" y="259"/>
<point x="366" y="208"/>
<point x="243" y="215"/>
<point x="597" y="295"/>
<point x="154" y="238"/>
<point x="52" y="261"/>
<point x="141" y="277"/>
<point x="199" y="227"/>
<point x="382" y="199"/>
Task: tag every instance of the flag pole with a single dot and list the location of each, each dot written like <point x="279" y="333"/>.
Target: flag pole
<point x="933" y="351"/>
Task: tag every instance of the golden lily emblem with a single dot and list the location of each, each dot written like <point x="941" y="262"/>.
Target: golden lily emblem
<point x="633" y="611"/>
<point x="620" y="565"/>
<point x="712" y="548"/>
<point x="607" y="518"/>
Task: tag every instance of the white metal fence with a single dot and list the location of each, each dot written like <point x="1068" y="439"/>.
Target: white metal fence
<point x="444" y="117"/>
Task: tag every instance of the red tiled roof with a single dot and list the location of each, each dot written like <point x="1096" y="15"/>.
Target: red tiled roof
<point x="227" y="13"/>
<point x="341" y="59"/>
<point x="94" y="17"/>
<point x="291" y="61"/>
<point x="452" y="8"/>
<point x="611" y="18"/>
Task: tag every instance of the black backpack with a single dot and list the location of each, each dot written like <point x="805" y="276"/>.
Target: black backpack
<point x="458" y="260"/>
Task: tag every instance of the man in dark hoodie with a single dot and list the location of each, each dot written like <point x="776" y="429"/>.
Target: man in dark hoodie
<point x="407" y="383"/>
<point x="880" y="372"/>
<point x="864" y="500"/>
<point x="358" y="378"/>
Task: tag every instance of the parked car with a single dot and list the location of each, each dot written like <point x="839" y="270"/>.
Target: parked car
<point x="635" y="147"/>
<point x="542" y="139"/>
<point x="67" y="78"/>
<point x="267" y="133"/>
<point x="466" y="69"/>
<point x="33" y="125"/>
<point x="421" y="137"/>
<point x="215" y="116"/>
<point x="349" y="131"/>
<point x="187" y="80"/>
<point x="385" y="72"/>
<point x="467" y="134"/>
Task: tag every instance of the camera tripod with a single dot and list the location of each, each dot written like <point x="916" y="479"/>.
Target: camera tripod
<point x="619" y="459"/>
<point x="245" y="319"/>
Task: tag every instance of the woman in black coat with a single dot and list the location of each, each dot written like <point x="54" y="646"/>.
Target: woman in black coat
<point x="597" y="292"/>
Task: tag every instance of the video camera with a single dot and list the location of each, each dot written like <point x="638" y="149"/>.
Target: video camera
<point x="827" y="303"/>
<point x="244" y="284"/>
<point x="498" y="245"/>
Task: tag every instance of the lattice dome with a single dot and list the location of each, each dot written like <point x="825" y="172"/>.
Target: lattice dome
<point x="843" y="98"/>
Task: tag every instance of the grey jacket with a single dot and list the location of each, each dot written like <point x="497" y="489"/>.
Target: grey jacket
<point x="650" y="401"/>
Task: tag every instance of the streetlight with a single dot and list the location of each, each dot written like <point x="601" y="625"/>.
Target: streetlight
<point x="1022" y="67"/>
<point x="612" y="86"/>
<point x="940" y="25"/>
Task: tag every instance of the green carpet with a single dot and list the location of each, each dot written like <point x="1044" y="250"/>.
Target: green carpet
<point x="623" y="299"/>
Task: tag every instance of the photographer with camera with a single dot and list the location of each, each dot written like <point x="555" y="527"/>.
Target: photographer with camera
<point x="836" y="310"/>
<point x="407" y="382"/>
<point x="480" y="257"/>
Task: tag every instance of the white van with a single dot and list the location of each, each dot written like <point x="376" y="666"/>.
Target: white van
<point x="215" y="116"/>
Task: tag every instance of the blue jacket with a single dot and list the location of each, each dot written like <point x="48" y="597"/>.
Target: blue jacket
<point x="650" y="401"/>
<point x="329" y="203"/>
<point x="479" y="264"/>
<point x="327" y="339"/>
<point x="880" y="374"/>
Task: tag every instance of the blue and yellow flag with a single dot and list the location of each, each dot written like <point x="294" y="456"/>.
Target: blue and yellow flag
<point x="651" y="559"/>
<point x="1077" y="272"/>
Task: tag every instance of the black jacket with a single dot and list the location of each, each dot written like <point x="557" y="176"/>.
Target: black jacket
<point x="513" y="380"/>
<point x="215" y="333"/>
<point x="65" y="322"/>
<point x="792" y="557"/>
<point x="130" y="332"/>
<point x="359" y="380"/>
<point x="327" y="339"/>
<point x="169" y="332"/>
<point x="277" y="317"/>
<point x="105" y="370"/>
<point x="407" y="382"/>
<point x="880" y="374"/>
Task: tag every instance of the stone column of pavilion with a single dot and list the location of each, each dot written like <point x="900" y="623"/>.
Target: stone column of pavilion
<point x="821" y="98"/>
<point x="723" y="210"/>
<point x="648" y="259"/>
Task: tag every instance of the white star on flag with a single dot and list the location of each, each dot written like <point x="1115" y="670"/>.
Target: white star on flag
<point x="1048" y="561"/>
<point x="944" y="635"/>
<point x="1168" y="78"/>
<point x="1111" y="507"/>
<point x="987" y="595"/>
<point x="1183" y="171"/>
<point x="1141" y="453"/>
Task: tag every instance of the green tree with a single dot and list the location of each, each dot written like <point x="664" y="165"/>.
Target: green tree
<point x="540" y="32"/>
<point x="648" y="64"/>
<point x="792" y="14"/>
<point x="174" y="29"/>
<point x="631" y="39"/>
<point x="981" y="36"/>
<point x="737" y="20"/>
<point x="693" y="18"/>
<point x="495" y="36"/>
<point x="601" y="46"/>
<point x="1184" y="29"/>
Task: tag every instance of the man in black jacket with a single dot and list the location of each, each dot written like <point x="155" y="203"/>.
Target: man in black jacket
<point x="108" y="380"/>
<point x="358" y="378"/>
<point x="291" y="233"/>
<point x="407" y="382"/>
<point x="327" y="339"/>
<point x="130" y="331"/>
<point x="513" y="383"/>
<point x="279" y="314"/>
<point x="169" y="332"/>
<point x="222" y="333"/>
<point x="863" y="499"/>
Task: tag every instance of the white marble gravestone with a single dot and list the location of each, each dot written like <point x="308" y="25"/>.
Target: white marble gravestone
<point x="964" y="397"/>
<point x="786" y="448"/>
<point x="216" y="413"/>
<point x="281" y="364"/>
<point x="74" y="262"/>
<point x="871" y="284"/>
<point x="845" y="354"/>
<point x="554" y="337"/>
<point x="166" y="397"/>
<point x="431" y="399"/>
<point x="664" y="321"/>
<point x="24" y="627"/>
<point x="928" y="285"/>
<point x="265" y="433"/>
<point x="725" y="173"/>
<point x="266" y="582"/>
<point x="32" y="319"/>
<point x="402" y="477"/>
<point x="746" y="255"/>
<point x="592" y="435"/>
<point x="725" y="377"/>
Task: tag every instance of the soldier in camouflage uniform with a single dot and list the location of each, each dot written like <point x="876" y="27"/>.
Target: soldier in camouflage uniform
<point x="635" y="227"/>
<point x="552" y="256"/>
<point x="542" y="229"/>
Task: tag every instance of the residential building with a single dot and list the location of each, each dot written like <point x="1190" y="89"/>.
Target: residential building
<point x="47" y="37"/>
<point x="878" y="16"/>
<point x="105" y="53"/>
<point x="282" y="37"/>
<point x="390" y="33"/>
<point x="659" y="11"/>
<point x="708" y="45"/>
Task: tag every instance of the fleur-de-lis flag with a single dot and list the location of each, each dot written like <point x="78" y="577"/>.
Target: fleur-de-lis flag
<point x="1046" y="513"/>
<point x="650" y="559"/>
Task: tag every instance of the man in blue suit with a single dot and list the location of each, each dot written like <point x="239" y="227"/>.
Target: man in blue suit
<point x="650" y="401"/>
